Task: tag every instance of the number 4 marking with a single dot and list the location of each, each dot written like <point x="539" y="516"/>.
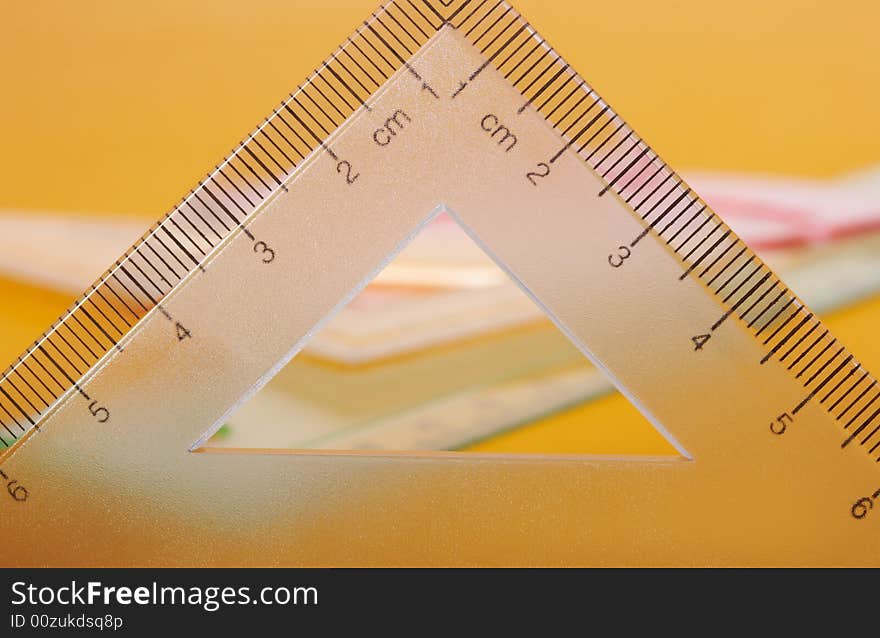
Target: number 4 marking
<point x="700" y="341"/>
<point x="182" y="333"/>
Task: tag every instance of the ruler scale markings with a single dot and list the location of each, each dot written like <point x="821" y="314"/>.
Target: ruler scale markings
<point x="767" y="309"/>
<point x="157" y="287"/>
<point x="668" y="177"/>
<point x="165" y="263"/>
<point x="280" y="116"/>
<point x="649" y="164"/>
<point x="320" y="75"/>
<point x="608" y="138"/>
<point x="12" y="419"/>
<point x="650" y="196"/>
<point x="26" y="397"/>
<point x="609" y="185"/>
<point x="824" y="366"/>
<point x="80" y="339"/>
<point x="658" y="201"/>
<point x="272" y="141"/>
<point x="367" y="57"/>
<point x="73" y="350"/>
<point x="153" y="266"/>
<point x="818" y="388"/>
<point x="197" y="194"/>
<point x="311" y="114"/>
<point x="354" y="76"/>
<point x="616" y="154"/>
<point x="451" y="16"/>
<point x="678" y="217"/>
<point x="638" y="190"/>
<point x="386" y="12"/>
<point x="17" y="407"/>
<point x="174" y="255"/>
<point x="822" y="352"/>
<point x="571" y="82"/>
<point x="575" y="89"/>
<point x="523" y="59"/>
<point x="424" y="17"/>
<point x="267" y="157"/>
<point x="699" y="244"/>
<point x="217" y="201"/>
<point x="138" y="285"/>
<point x="531" y="68"/>
<point x="809" y="348"/>
<point x="498" y="35"/>
<point x="222" y="173"/>
<point x="669" y="208"/>
<point x="742" y="283"/>
<point x="468" y="16"/>
<point x="602" y="128"/>
<point x="112" y="307"/>
<point x="60" y="385"/>
<point x="480" y="21"/>
<point x="237" y="188"/>
<point x="47" y="402"/>
<point x="89" y="332"/>
<point x="730" y="262"/>
<point x="543" y="87"/>
<point x="55" y="363"/>
<point x="395" y="18"/>
<point x="285" y="138"/>
<point x="840" y="383"/>
<point x="800" y="341"/>
<point x="859" y="429"/>
<point x="626" y="168"/>
<point x="742" y="299"/>
<point x="40" y="380"/>
<point x="385" y="43"/>
<point x="855" y="401"/>
<point x="757" y="301"/>
<point x="346" y="85"/>
<point x="572" y="109"/>
<point x="254" y="172"/>
<point x="301" y="123"/>
<point x="616" y="147"/>
<point x="792" y="301"/>
<point x="314" y="85"/>
<point x="540" y="50"/>
<point x="605" y="141"/>
<point x="571" y="140"/>
<point x="400" y="8"/>
<point x="473" y="27"/>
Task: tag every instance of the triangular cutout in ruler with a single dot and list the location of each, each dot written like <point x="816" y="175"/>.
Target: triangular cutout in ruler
<point x="442" y="350"/>
<point x="462" y="106"/>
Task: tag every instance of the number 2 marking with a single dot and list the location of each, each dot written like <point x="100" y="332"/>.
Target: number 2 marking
<point x="349" y="178"/>
<point x="532" y="175"/>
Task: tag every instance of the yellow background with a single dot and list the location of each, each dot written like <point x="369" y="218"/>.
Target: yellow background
<point x="118" y="107"/>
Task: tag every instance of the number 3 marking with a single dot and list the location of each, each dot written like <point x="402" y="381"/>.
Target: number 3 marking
<point x="262" y="248"/>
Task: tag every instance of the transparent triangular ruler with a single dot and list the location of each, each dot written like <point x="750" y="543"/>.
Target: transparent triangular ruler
<point x="461" y="107"/>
